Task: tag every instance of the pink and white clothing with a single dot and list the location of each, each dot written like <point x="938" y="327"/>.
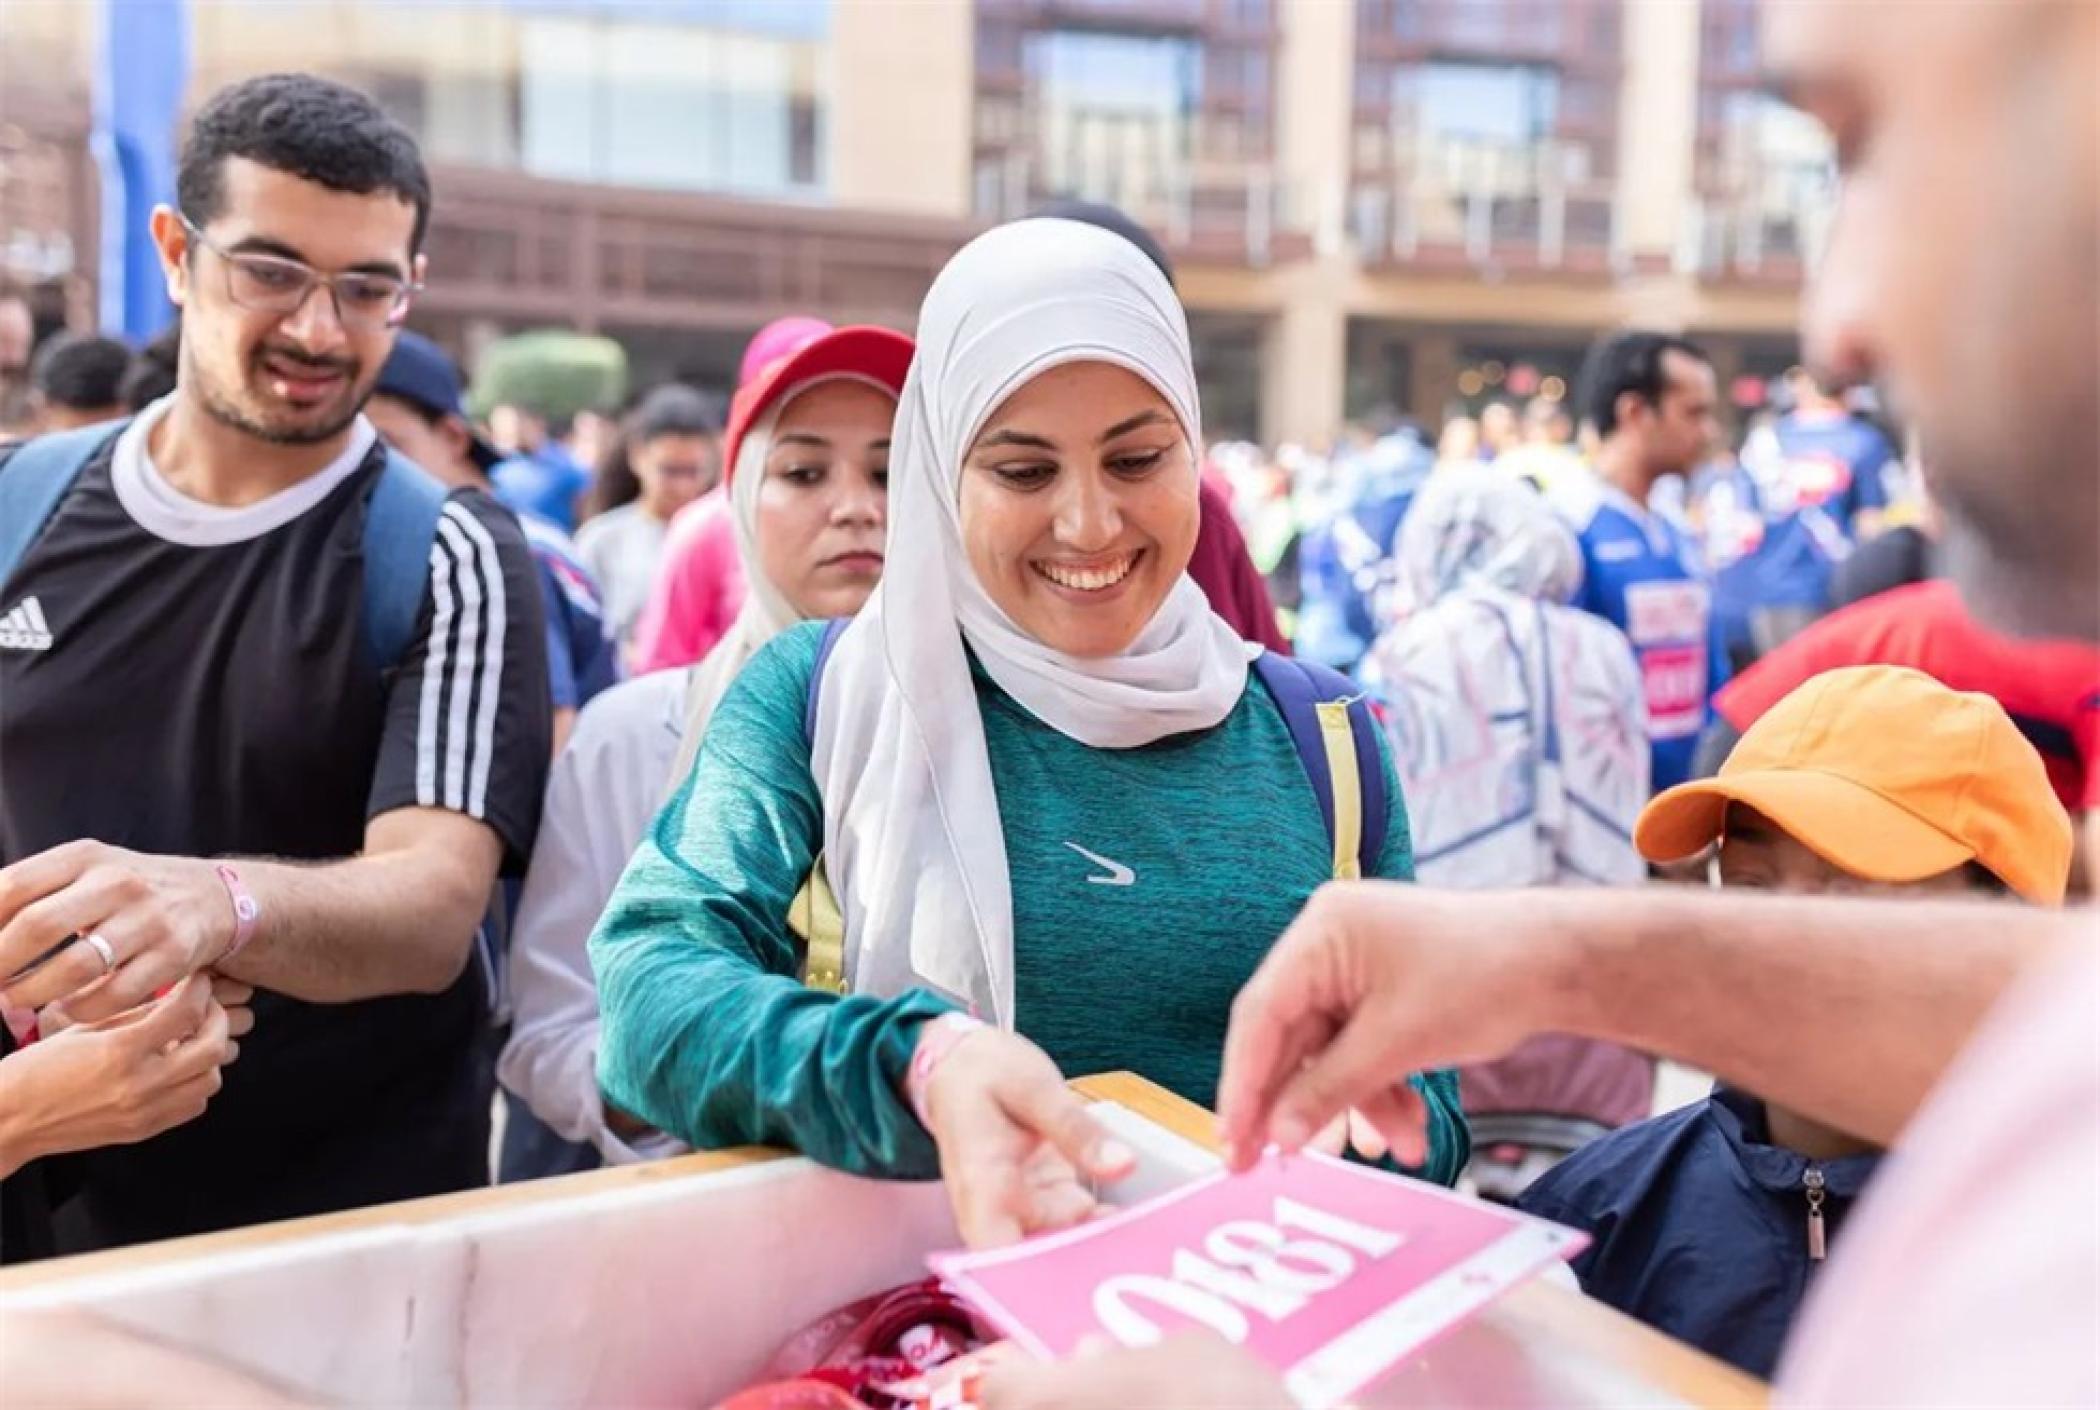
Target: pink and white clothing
<point x="699" y="588"/>
<point x="1971" y="1274"/>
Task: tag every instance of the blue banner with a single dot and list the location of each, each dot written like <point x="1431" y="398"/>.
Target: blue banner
<point x="142" y="71"/>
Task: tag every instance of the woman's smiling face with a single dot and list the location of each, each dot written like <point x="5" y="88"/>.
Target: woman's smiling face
<point x="1079" y="507"/>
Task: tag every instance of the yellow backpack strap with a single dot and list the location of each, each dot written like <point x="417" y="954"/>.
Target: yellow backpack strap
<point x="1340" y="740"/>
<point x="814" y="916"/>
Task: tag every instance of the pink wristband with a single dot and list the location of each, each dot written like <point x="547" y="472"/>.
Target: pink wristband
<point x="936" y="1040"/>
<point x="246" y="910"/>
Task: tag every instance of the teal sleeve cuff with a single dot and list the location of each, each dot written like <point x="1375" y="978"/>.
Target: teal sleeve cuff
<point x="1450" y="1138"/>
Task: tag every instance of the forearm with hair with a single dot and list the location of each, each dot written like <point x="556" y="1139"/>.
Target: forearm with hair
<point x="1848" y="1011"/>
<point x="399" y="919"/>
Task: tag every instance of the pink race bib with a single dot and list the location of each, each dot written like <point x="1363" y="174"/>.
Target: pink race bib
<point x="1330" y="1273"/>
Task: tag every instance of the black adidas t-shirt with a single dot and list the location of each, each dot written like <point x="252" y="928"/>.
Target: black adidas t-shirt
<point x="191" y="681"/>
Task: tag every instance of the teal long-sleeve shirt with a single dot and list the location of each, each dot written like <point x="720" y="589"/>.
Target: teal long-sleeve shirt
<point x="709" y="1035"/>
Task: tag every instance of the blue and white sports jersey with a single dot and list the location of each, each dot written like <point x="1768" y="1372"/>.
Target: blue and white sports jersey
<point x="1837" y="463"/>
<point x="1642" y="574"/>
<point x="1816" y="474"/>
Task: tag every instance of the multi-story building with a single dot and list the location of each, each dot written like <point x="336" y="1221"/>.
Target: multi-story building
<point x="1371" y="203"/>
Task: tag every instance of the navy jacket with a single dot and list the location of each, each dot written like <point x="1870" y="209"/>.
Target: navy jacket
<point x="1700" y="1224"/>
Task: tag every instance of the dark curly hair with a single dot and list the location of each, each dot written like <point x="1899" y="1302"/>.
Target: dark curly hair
<point x="306" y="127"/>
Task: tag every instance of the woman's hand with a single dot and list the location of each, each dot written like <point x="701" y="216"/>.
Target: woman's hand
<point x="124" y="1079"/>
<point x="1018" y="1149"/>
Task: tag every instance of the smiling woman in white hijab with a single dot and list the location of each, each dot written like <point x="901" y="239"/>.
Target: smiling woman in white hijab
<point x="1036" y="771"/>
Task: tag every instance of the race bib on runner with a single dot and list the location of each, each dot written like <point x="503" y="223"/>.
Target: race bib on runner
<point x="1675" y="681"/>
<point x="1667" y="624"/>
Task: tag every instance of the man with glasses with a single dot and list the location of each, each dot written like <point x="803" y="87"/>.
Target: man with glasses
<point x="281" y="787"/>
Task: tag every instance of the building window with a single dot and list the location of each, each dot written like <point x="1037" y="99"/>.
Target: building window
<point x="1765" y="170"/>
<point x="1114" y="112"/>
<point x="1166" y="108"/>
<point x="804" y="138"/>
<point x="1776" y="164"/>
<point x="1499" y="103"/>
<point x="667" y="105"/>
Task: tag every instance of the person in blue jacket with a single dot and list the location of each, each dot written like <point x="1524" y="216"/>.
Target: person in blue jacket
<point x="1708" y="1223"/>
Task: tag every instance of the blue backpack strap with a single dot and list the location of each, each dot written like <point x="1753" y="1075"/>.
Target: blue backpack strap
<point x="833" y="629"/>
<point x="34" y="480"/>
<point x="1299" y="687"/>
<point x="401" y="524"/>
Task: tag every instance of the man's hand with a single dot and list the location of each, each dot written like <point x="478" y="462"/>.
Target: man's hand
<point x="1374" y="981"/>
<point x="163" y="919"/>
<point x="1017" y="1145"/>
<point x="123" y="1079"/>
<point x="1193" y="1371"/>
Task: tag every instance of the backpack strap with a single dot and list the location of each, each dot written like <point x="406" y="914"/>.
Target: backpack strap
<point x="833" y="630"/>
<point x="1329" y="719"/>
<point x="401" y="524"/>
<point x="34" y="480"/>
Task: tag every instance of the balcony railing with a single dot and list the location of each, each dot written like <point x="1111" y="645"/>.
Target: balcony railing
<point x="1486" y="203"/>
<point x="1230" y="213"/>
<point x="1760" y="221"/>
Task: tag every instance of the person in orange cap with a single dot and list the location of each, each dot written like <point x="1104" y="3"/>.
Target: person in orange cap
<point x="1872" y="781"/>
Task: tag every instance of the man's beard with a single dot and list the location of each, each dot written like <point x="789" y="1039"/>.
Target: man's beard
<point x="228" y="413"/>
<point x="2013" y="582"/>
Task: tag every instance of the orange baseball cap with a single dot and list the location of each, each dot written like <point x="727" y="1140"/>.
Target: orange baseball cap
<point x="1887" y="775"/>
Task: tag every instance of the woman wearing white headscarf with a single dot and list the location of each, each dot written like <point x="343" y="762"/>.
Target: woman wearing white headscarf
<point x="808" y="462"/>
<point x="1519" y="729"/>
<point x="1043" y="782"/>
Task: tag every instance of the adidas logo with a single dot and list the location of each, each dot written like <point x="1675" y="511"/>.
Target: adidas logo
<point x="24" y="627"/>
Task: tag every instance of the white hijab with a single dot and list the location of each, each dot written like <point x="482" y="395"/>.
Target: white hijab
<point x="913" y="845"/>
<point x="766" y="612"/>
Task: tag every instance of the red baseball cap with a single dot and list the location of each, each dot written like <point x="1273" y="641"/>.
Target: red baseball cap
<point x="881" y="355"/>
<point x="775" y="341"/>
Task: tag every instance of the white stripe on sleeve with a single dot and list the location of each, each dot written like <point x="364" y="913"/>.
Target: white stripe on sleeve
<point x="459" y="690"/>
<point x="484" y="742"/>
<point x="444" y="565"/>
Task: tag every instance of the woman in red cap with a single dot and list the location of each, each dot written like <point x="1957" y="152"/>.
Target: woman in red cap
<point x="700" y="581"/>
<point x="806" y="462"/>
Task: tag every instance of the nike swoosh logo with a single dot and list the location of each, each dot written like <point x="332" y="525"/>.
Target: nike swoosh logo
<point x="1118" y="874"/>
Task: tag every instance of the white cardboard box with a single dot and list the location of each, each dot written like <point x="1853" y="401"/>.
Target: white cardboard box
<point x="672" y="1293"/>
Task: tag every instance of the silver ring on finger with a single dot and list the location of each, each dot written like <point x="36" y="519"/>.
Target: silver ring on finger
<point x="101" y="947"/>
